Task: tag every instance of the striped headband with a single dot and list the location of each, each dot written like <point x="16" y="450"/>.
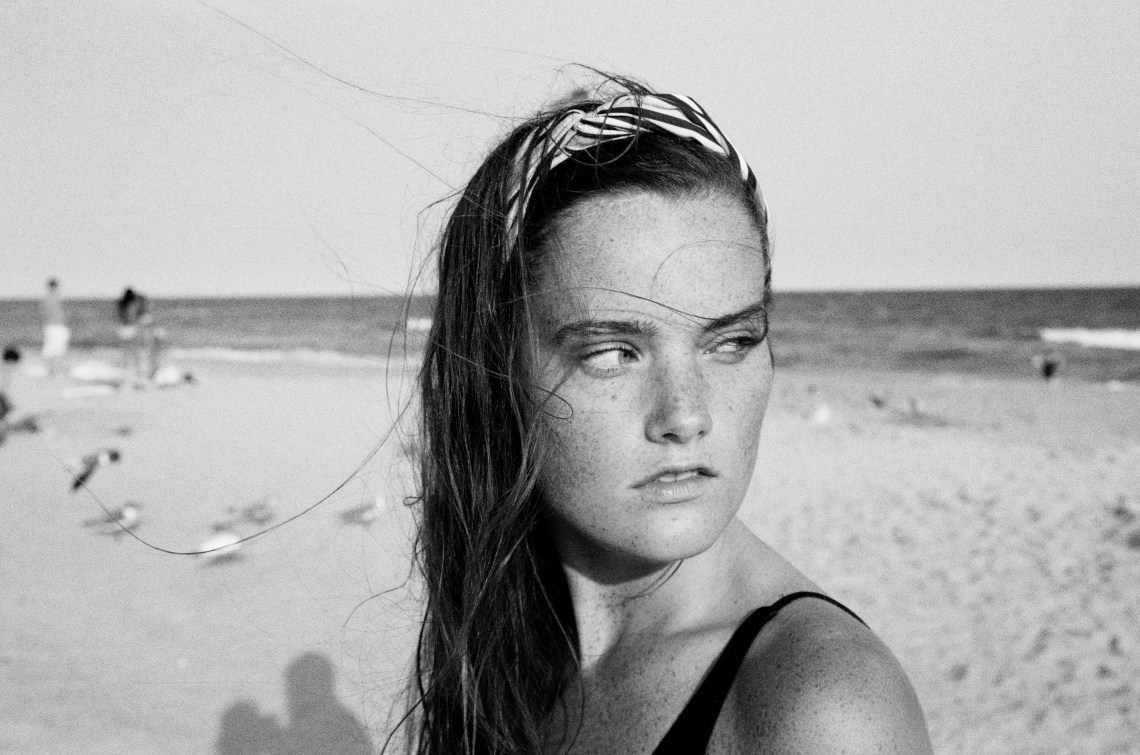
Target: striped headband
<point x="623" y="117"/>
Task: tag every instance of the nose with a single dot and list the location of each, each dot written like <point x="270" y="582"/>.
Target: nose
<point x="680" y="410"/>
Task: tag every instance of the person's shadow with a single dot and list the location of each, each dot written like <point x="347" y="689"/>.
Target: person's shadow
<point x="317" y="724"/>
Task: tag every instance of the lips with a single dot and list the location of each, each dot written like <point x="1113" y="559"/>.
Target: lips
<point x="676" y="473"/>
<point x="677" y="476"/>
<point x="675" y="484"/>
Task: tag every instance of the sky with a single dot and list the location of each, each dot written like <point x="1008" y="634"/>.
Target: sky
<point x="239" y="148"/>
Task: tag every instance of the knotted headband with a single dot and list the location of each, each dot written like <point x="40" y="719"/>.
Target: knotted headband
<point x="623" y="117"/>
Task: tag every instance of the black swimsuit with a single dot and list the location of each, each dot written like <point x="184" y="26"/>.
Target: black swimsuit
<point x="692" y="730"/>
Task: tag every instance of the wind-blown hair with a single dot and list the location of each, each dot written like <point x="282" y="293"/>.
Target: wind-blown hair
<point x="498" y="641"/>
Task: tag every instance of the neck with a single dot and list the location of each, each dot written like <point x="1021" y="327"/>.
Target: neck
<point x="617" y="603"/>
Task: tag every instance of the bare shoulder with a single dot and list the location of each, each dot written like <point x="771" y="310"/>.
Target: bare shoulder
<point x="818" y="681"/>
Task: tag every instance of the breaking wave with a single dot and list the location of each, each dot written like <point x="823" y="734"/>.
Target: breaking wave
<point x="1104" y="338"/>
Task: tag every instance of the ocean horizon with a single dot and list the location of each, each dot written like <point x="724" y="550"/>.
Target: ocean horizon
<point x="1094" y="332"/>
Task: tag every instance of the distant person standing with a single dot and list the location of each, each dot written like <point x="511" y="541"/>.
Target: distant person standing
<point x="132" y="311"/>
<point x="1048" y="363"/>
<point x="56" y="333"/>
<point x="11" y="359"/>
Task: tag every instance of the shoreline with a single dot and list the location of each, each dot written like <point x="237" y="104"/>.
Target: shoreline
<point x="271" y="362"/>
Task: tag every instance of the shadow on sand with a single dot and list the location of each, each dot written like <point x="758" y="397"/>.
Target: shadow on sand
<point x="318" y="722"/>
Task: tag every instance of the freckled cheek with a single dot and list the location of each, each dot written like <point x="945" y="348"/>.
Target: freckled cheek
<point x="595" y="418"/>
<point x="742" y="409"/>
<point x="587" y="458"/>
<point x="574" y="485"/>
<point x="588" y="449"/>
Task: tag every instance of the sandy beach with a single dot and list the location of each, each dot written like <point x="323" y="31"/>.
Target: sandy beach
<point x="988" y="529"/>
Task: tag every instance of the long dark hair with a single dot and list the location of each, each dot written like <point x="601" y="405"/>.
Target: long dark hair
<point x="498" y="641"/>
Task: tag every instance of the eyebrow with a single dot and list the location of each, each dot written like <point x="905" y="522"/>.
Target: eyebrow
<point x="604" y="328"/>
<point x="727" y="321"/>
<point x="636" y="327"/>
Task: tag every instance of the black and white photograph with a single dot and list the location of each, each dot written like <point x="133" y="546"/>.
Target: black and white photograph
<point x="641" y="378"/>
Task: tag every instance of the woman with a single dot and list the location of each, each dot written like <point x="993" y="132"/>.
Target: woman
<point x="592" y="394"/>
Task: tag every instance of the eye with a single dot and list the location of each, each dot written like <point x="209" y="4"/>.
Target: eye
<point x="732" y="349"/>
<point x="608" y="359"/>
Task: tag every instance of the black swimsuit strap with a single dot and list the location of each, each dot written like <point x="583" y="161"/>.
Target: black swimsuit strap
<point x="693" y="729"/>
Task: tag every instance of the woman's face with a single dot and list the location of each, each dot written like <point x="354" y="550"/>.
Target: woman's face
<point x="650" y="331"/>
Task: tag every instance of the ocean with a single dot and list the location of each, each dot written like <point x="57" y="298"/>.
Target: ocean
<point x="1094" y="332"/>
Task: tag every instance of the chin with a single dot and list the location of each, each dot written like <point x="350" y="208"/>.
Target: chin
<point x="644" y="539"/>
<point x="680" y="534"/>
<point x="697" y="540"/>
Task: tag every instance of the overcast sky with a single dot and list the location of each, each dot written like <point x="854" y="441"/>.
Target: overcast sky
<point x="193" y="149"/>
